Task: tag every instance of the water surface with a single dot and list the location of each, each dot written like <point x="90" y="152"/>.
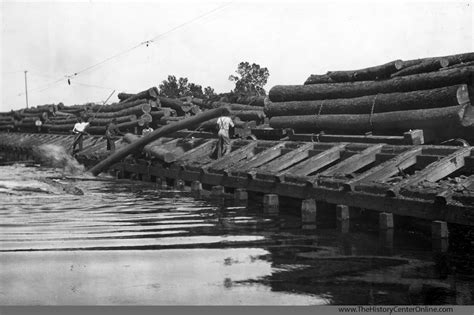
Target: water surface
<point x="128" y="243"/>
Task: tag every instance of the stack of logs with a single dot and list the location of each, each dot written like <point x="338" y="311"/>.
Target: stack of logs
<point x="132" y="110"/>
<point x="241" y="112"/>
<point x="433" y="94"/>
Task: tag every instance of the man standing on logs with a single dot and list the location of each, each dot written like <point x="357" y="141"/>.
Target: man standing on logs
<point x="79" y="129"/>
<point x="223" y="146"/>
<point x="111" y="133"/>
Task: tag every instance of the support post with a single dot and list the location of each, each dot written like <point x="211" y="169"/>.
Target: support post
<point x="217" y="191"/>
<point x="439" y="230"/>
<point x="270" y="204"/>
<point x="385" y="221"/>
<point x="308" y="213"/>
<point x="241" y="195"/>
<point x="196" y="187"/>
<point x="342" y="213"/>
<point x="179" y="184"/>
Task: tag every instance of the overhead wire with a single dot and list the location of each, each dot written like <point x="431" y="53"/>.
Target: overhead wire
<point x="147" y="43"/>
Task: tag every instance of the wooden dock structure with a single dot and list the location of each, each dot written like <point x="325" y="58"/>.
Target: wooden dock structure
<point x="430" y="182"/>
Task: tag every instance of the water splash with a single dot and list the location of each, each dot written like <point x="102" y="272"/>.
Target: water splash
<point x="56" y="156"/>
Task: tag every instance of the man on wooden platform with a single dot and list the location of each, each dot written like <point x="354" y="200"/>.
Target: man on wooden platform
<point x="223" y="147"/>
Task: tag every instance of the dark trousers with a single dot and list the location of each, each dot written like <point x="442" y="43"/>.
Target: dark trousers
<point x="78" y="141"/>
<point x="223" y="145"/>
<point x="111" y="143"/>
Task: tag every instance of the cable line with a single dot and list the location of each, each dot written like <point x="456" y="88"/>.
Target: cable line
<point x="147" y="43"/>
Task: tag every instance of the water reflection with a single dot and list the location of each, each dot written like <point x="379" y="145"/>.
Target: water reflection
<point x="127" y="242"/>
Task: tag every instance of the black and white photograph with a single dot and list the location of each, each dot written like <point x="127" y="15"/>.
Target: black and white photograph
<point x="238" y="153"/>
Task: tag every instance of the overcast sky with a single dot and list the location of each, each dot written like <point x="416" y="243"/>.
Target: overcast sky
<point x="52" y="40"/>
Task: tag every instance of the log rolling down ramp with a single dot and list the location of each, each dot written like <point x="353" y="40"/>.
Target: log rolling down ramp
<point x="137" y="145"/>
<point x="408" y="180"/>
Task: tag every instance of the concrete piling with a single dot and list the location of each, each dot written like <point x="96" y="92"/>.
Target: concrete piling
<point x="217" y="191"/>
<point x="196" y="187"/>
<point x="270" y="204"/>
<point x="179" y="184"/>
<point x="241" y="196"/>
<point x="439" y="230"/>
<point x="308" y="214"/>
<point x="342" y="213"/>
<point x="385" y="221"/>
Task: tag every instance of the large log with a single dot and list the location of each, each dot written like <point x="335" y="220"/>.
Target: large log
<point x="379" y="103"/>
<point x="371" y="73"/>
<point x="115" y="107"/>
<point x="6" y="127"/>
<point x="459" y="65"/>
<point x="96" y="130"/>
<point x="163" y="131"/>
<point x="236" y="106"/>
<point x="424" y="81"/>
<point x="318" y="79"/>
<point x="446" y="117"/>
<point x="248" y="115"/>
<point x="423" y="67"/>
<point x="135" y="110"/>
<point x="449" y="59"/>
<point x="150" y="94"/>
<point x="154" y="149"/>
<point x="95" y="121"/>
<point x="172" y="103"/>
<point x="257" y="100"/>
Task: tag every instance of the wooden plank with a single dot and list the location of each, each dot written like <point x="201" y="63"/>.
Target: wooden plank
<point x="199" y="151"/>
<point x="315" y="162"/>
<point x="260" y="158"/>
<point x="384" y="170"/>
<point x="233" y="157"/>
<point x="354" y="162"/>
<point x="434" y="171"/>
<point x="287" y="159"/>
<point x="360" y="138"/>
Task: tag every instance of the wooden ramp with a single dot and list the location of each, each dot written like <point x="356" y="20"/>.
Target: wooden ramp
<point x="422" y="181"/>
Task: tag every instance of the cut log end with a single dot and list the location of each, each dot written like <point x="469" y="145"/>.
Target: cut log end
<point x="467" y="119"/>
<point x="462" y="95"/>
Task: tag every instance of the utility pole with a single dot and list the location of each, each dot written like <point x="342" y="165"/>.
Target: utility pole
<point x="26" y="89"/>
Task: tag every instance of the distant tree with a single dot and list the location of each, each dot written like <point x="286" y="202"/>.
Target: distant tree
<point x="209" y="92"/>
<point x="176" y="88"/>
<point x="250" y="80"/>
<point x="170" y="88"/>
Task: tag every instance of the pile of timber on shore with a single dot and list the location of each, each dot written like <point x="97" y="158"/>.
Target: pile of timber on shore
<point x="131" y="112"/>
<point x="430" y="93"/>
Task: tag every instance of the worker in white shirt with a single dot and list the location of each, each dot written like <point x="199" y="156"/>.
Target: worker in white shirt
<point x="79" y="129"/>
<point x="223" y="147"/>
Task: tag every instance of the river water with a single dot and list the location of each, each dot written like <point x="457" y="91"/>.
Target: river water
<point x="126" y="242"/>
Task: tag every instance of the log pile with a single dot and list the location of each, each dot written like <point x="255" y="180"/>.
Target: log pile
<point x="131" y="112"/>
<point x="434" y="94"/>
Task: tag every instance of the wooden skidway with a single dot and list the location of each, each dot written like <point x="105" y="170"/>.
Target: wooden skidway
<point x="409" y="180"/>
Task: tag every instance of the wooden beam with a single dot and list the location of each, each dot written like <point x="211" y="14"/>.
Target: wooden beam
<point x="233" y="157"/>
<point x="260" y="158"/>
<point x="315" y="162"/>
<point x="287" y="159"/>
<point x="198" y="152"/>
<point x="354" y="162"/>
<point x="386" y="169"/>
<point x="434" y="171"/>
